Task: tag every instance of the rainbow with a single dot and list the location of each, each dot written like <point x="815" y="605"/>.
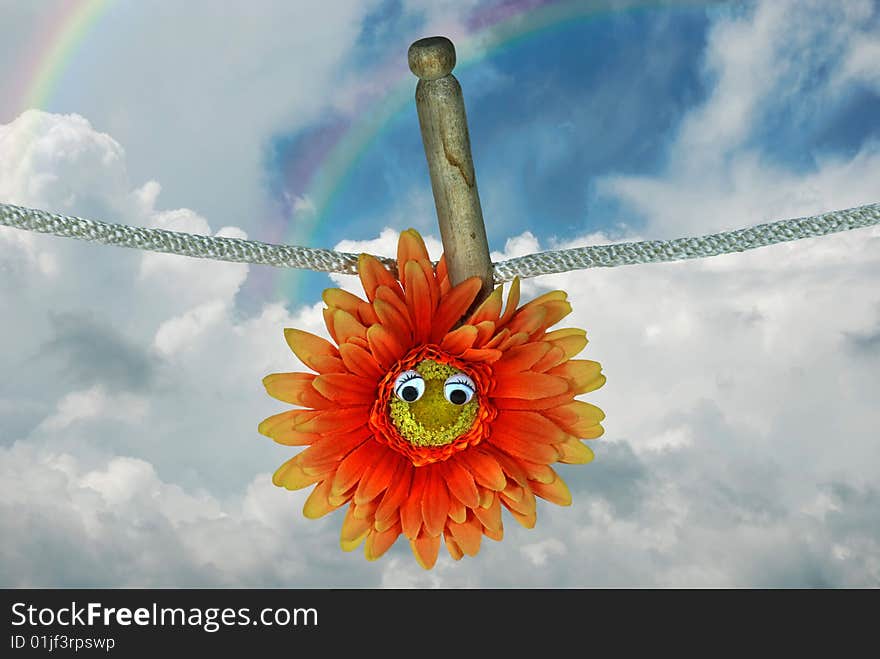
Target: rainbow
<point x="63" y="33"/>
<point x="314" y="169"/>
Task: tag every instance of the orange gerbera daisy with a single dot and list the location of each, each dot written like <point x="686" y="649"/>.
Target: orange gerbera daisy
<point x="425" y="424"/>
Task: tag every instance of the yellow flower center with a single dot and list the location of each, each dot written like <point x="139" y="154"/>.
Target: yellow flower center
<point x="432" y="420"/>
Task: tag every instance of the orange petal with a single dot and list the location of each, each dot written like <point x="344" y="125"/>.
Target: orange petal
<point x="461" y="483"/>
<point x="346" y="326"/>
<point x="519" y="446"/>
<point x="425" y="548"/>
<point x="555" y="356"/>
<point x="335" y="420"/>
<point x="528" y="426"/>
<point x="571" y="340"/>
<point x="528" y="320"/>
<point x="378" y="478"/>
<point x="290" y="476"/>
<point x="396" y="300"/>
<point x="467" y="535"/>
<point x="333" y="448"/>
<point x="393" y="321"/>
<point x="494" y="534"/>
<point x="521" y="358"/>
<point x="556" y="492"/>
<point x="577" y="418"/>
<point x="452" y="547"/>
<point x="378" y="542"/>
<point x="435" y="503"/>
<point x="410" y="247"/>
<point x="318" y="504"/>
<point x="490" y="517"/>
<point x="554" y="311"/>
<point x="442" y="275"/>
<point x="457" y="511"/>
<point x="418" y="300"/>
<point x="397" y="493"/>
<point x="512" y="468"/>
<point x="315" y="352"/>
<point x="485" y="331"/>
<point x="386" y="348"/>
<point x="538" y="472"/>
<point x="360" y="361"/>
<point x="529" y="386"/>
<point x="453" y="306"/>
<point x="336" y="297"/>
<point x="512" y="303"/>
<point x="481" y="355"/>
<point x="485" y="469"/>
<point x="489" y="309"/>
<point x="283" y="428"/>
<point x="295" y="388"/>
<point x="411" y="509"/>
<point x="524" y="509"/>
<point x="345" y="388"/>
<point x="583" y="375"/>
<point x="373" y="274"/>
<point x="354" y="464"/>
<point x="353" y="531"/>
<point x="574" y="451"/>
<point x="459" y="340"/>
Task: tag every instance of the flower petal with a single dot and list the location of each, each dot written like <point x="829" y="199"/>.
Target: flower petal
<point x="333" y="448"/>
<point x="411" y="510"/>
<point x="360" y="361"/>
<point x="529" y="386"/>
<point x="453" y="306"/>
<point x="435" y="502"/>
<point x="490" y="517"/>
<point x="315" y="352"/>
<point x="452" y="547"/>
<point x="378" y="478"/>
<point x="467" y="535"/>
<point x="461" y="483"/>
<point x="583" y="375"/>
<point x="573" y="451"/>
<point x="283" y="429"/>
<point x="346" y="326"/>
<point x="425" y="548"/>
<point x="386" y="348"/>
<point x="512" y="303"/>
<point x="354" y="464"/>
<point x="396" y="493"/>
<point x="345" y="388"/>
<point x="556" y="492"/>
<point x="378" y="542"/>
<point x="296" y="389"/>
<point x="418" y="300"/>
<point x="353" y="531"/>
<point x="459" y="340"/>
<point x="485" y="469"/>
<point x="489" y="309"/>
<point x="318" y="504"/>
<point x="290" y="476"/>
<point x="373" y="274"/>
<point x="577" y="418"/>
<point x="527" y="426"/>
<point x="521" y="358"/>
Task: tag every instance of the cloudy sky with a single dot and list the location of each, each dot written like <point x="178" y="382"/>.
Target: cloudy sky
<point x="741" y="445"/>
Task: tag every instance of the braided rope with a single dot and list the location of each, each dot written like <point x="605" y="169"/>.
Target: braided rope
<point x="532" y="265"/>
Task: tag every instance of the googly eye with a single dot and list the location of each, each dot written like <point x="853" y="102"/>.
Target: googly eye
<point x="459" y="389"/>
<point x="409" y="386"/>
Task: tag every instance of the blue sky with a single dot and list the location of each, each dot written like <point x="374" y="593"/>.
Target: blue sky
<point x="740" y="445"/>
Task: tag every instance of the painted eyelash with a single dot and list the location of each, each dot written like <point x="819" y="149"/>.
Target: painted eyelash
<point x="459" y="379"/>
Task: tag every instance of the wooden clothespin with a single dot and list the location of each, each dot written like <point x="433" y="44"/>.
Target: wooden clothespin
<point x="443" y="123"/>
